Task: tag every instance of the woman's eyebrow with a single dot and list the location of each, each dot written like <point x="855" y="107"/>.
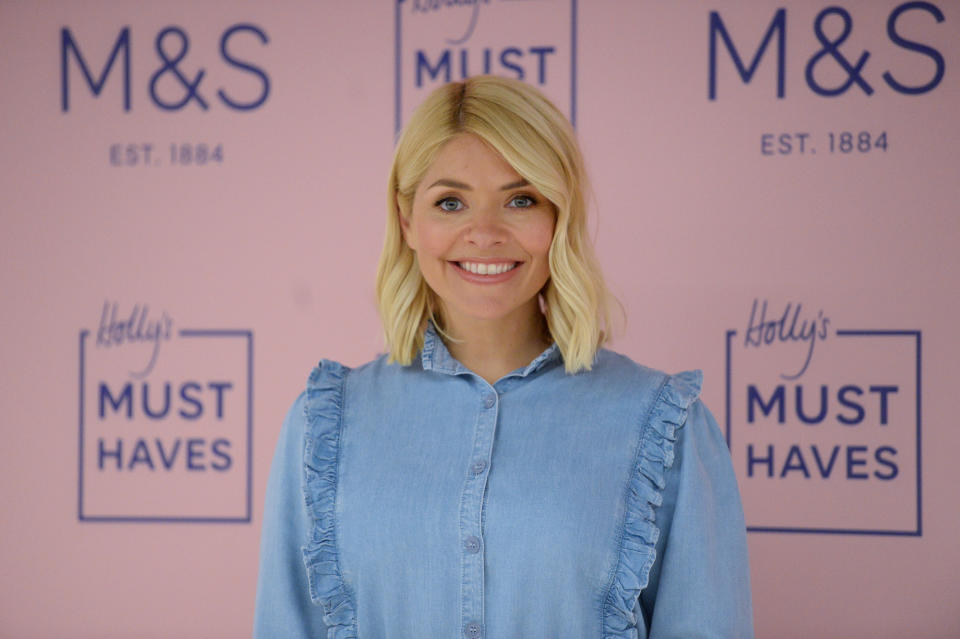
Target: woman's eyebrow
<point x="453" y="184"/>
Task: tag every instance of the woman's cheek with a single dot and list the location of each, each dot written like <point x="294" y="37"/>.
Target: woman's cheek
<point x="545" y="232"/>
<point x="434" y="240"/>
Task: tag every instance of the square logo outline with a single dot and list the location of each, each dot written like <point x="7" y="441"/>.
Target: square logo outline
<point x="248" y="515"/>
<point x="918" y="531"/>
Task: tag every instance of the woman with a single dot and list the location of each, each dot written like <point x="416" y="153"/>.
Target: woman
<point x="498" y="474"/>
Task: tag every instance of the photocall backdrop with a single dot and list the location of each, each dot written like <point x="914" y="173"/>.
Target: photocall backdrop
<point x="193" y="199"/>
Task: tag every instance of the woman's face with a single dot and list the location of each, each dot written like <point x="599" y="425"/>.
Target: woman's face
<point x="481" y="233"/>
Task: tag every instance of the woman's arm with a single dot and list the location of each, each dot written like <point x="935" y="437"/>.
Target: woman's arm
<point x="700" y="583"/>
<point x="283" y="607"/>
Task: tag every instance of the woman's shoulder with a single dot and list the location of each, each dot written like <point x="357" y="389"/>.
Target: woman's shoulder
<point x="619" y="372"/>
<point x="330" y="375"/>
<point x="330" y="382"/>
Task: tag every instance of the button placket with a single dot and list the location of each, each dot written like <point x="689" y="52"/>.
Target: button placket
<point x="471" y="504"/>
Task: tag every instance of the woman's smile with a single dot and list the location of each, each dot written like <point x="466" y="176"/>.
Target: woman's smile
<point x="487" y="268"/>
<point x="486" y="272"/>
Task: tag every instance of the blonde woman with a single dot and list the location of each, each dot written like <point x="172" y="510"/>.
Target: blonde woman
<point x="498" y="473"/>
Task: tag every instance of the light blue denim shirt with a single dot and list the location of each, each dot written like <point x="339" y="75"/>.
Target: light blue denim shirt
<point x="421" y="502"/>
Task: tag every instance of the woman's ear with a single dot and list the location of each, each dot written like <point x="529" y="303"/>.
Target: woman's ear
<point x="404" y="223"/>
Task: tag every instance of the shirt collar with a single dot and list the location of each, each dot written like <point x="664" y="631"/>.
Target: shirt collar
<point x="436" y="357"/>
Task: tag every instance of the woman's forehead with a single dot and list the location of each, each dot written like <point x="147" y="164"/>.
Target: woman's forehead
<point x="466" y="155"/>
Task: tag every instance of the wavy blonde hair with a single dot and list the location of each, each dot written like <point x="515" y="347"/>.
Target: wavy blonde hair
<point x="539" y="143"/>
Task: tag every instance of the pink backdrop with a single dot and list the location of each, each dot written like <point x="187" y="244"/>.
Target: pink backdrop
<point x="237" y="244"/>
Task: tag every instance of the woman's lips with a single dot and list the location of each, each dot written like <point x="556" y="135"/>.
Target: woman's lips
<point x="486" y="272"/>
<point x="486" y="268"/>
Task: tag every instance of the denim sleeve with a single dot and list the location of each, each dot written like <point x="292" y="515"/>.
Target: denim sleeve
<point x="283" y="605"/>
<point x="700" y="583"/>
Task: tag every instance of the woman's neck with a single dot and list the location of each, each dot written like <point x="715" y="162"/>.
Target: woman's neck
<point x="493" y="348"/>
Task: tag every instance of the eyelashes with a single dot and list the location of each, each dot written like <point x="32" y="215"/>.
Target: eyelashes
<point x="450" y="204"/>
<point x="444" y="204"/>
<point x="529" y="201"/>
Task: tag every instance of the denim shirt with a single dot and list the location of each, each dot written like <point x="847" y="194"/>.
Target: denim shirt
<point x="422" y="502"/>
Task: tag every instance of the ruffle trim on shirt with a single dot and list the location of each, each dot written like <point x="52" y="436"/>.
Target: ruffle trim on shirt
<point x="324" y="404"/>
<point x="638" y="544"/>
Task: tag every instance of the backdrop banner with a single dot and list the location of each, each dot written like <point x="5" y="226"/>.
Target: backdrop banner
<point x="193" y="196"/>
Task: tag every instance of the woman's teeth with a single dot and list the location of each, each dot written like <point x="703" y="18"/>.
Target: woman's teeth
<point x="480" y="268"/>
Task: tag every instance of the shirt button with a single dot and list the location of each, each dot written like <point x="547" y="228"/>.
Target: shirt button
<point x="490" y="400"/>
<point x="472" y="545"/>
<point x="473" y="630"/>
<point x="478" y="466"/>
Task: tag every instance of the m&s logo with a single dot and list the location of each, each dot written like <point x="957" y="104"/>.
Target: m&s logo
<point x="832" y="27"/>
<point x="175" y="82"/>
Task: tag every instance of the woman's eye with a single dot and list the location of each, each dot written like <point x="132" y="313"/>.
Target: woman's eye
<point x="449" y="204"/>
<point x="522" y="202"/>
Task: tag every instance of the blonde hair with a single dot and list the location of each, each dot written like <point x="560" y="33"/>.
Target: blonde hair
<point x="539" y="143"/>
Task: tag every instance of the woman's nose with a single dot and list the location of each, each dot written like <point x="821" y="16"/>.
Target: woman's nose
<point x="486" y="228"/>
